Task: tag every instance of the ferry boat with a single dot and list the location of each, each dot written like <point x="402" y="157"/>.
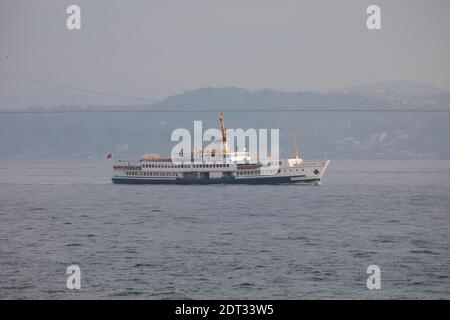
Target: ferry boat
<point x="218" y="168"/>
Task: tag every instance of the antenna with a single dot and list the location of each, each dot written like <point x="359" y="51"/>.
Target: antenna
<point x="224" y="134"/>
<point x="294" y="142"/>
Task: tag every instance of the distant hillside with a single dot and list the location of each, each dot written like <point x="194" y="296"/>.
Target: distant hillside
<point x="404" y="87"/>
<point x="381" y="94"/>
<point x="333" y="134"/>
<point x="235" y="97"/>
<point x="394" y="93"/>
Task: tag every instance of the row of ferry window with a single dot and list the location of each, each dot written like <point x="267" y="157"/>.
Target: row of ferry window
<point x="185" y="166"/>
<point x="245" y="173"/>
<point x="158" y="174"/>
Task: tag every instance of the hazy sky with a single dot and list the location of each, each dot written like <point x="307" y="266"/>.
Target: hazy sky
<point x="156" y="48"/>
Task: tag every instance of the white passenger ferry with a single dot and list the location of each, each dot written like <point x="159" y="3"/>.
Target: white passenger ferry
<point x="218" y="168"/>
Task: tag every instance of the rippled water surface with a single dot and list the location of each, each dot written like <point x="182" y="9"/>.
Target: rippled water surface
<point x="293" y="242"/>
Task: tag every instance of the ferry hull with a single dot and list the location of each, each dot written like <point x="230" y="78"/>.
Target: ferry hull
<point x="251" y="181"/>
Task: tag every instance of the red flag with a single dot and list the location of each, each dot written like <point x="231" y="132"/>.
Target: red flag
<point x="109" y="156"/>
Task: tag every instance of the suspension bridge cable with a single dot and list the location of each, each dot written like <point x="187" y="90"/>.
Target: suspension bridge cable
<point x="57" y="85"/>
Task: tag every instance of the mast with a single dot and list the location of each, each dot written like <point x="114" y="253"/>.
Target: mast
<point x="224" y="134"/>
<point x="294" y="142"/>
